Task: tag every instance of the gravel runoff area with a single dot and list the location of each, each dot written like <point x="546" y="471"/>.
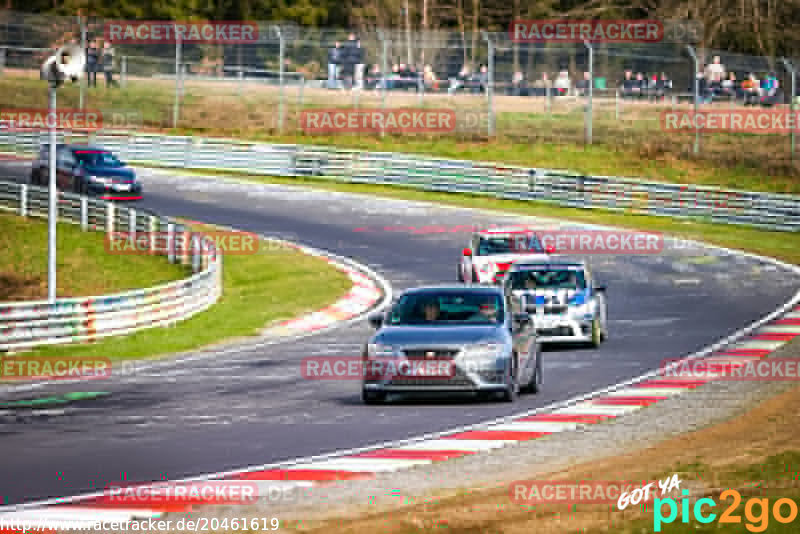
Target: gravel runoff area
<point x="714" y="402"/>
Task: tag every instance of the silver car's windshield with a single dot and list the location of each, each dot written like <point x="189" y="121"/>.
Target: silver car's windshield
<point x="447" y="308"/>
<point x="509" y="244"/>
<point x="547" y="279"/>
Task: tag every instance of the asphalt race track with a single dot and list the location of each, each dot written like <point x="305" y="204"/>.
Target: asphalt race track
<point x="253" y="407"/>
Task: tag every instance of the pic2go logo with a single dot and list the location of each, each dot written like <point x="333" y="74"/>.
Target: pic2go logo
<point x="756" y="522"/>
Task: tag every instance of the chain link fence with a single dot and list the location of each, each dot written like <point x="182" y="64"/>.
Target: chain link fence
<point x="578" y="93"/>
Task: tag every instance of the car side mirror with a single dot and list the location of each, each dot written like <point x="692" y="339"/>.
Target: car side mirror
<point x="600" y="288"/>
<point x="375" y="320"/>
<point x="466" y="252"/>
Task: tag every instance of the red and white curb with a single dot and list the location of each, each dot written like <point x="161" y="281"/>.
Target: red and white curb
<point x="606" y="405"/>
<point x="364" y="295"/>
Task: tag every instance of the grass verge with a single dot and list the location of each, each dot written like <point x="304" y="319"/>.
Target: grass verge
<point x="274" y="284"/>
<point x="632" y="145"/>
<point x="23" y="263"/>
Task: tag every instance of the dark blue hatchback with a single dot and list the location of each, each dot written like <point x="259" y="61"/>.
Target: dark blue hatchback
<point x="86" y="170"/>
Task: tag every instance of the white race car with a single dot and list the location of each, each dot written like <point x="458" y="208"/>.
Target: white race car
<point x="566" y="304"/>
<point x="491" y="252"/>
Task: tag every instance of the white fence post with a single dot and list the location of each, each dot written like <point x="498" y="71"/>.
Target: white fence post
<point x="84" y="213"/>
<point x="23" y="200"/>
<point x="171" y="242"/>
<point x="132" y="223"/>
<point x="110" y="218"/>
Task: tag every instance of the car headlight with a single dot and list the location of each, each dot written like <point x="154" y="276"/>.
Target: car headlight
<point x="376" y="350"/>
<point x="484" y="351"/>
<point x="584" y="311"/>
<point x="100" y="180"/>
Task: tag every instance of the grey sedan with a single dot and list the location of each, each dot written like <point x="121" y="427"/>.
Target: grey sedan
<point x="455" y="339"/>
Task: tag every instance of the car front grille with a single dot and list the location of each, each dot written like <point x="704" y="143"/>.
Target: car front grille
<point x="430" y="354"/>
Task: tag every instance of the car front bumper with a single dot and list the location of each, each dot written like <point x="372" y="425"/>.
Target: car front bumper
<point x="465" y="377"/>
<point x="116" y="191"/>
<point x="563" y="329"/>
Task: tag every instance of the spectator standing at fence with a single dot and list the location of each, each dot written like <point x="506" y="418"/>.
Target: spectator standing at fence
<point x="92" y="59"/>
<point x="750" y="89"/>
<point x="769" y="90"/>
<point x="518" y="84"/>
<point x="543" y="85"/>
<point x="429" y="78"/>
<point x="663" y="85"/>
<point x="582" y="86"/>
<point x="715" y="71"/>
<point x="108" y="63"/>
<point x="359" y="65"/>
<point x="334" y="59"/>
<point x="728" y="86"/>
<point x="459" y="80"/>
<point x="349" y="59"/>
<point x="628" y="83"/>
<point x="563" y="84"/>
<point x="481" y="81"/>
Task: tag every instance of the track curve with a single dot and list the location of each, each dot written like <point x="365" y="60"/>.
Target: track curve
<point x="254" y="407"/>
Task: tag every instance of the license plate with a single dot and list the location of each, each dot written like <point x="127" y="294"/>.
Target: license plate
<point x="123" y="187"/>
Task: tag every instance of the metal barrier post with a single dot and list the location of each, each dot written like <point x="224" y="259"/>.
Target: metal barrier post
<point x="589" y="109"/>
<point x="152" y="227"/>
<point x="792" y="104"/>
<point x="171" y="242"/>
<point x="2" y="59"/>
<point x="197" y="254"/>
<point x="110" y="218"/>
<point x="52" y="210"/>
<point x="176" y="105"/>
<point x="23" y="200"/>
<point x="123" y="72"/>
<point x="84" y="80"/>
<point x="696" y="96"/>
<point x="300" y="91"/>
<point x="84" y="213"/>
<point x="281" y="97"/>
<point x="384" y="73"/>
<point x="240" y="75"/>
<point x="490" y="82"/>
<point x="132" y="223"/>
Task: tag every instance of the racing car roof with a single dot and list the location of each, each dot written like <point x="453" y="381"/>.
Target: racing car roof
<point x="548" y="262"/>
<point x="506" y="230"/>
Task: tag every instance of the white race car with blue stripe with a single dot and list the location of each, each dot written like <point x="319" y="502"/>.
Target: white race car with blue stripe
<point x="566" y="304"/>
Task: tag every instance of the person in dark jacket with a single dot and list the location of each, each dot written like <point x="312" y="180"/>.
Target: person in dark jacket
<point x="349" y="59"/>
<point x="334" y="60"/>
<point x="92" y="61"/>
<point x="108" y="63"/>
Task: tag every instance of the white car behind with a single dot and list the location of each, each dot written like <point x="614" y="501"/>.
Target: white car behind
<point x="491" y="252"/>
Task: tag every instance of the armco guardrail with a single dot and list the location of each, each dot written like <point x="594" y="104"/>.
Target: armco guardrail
<point x="28" y="324"/>
<point x="765" y="210"/>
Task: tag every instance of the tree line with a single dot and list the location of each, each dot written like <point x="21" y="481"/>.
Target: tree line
<point x="757" y="27"/>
